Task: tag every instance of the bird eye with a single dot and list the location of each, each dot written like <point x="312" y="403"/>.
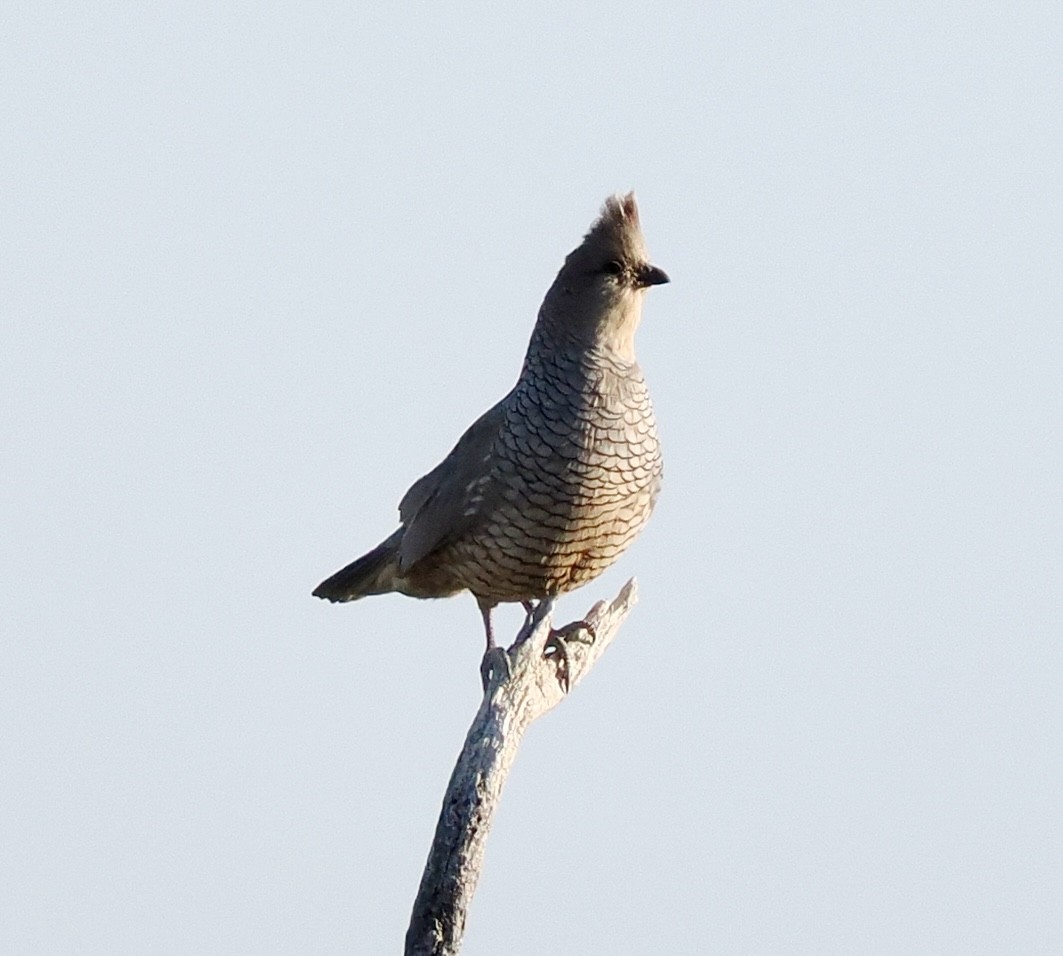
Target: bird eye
<point x="614" y="267"/>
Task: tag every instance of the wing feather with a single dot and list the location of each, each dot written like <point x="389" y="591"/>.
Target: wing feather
<point x="442" y="504"/>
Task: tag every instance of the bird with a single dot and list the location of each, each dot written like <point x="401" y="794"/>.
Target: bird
<point x="547" y="488"/>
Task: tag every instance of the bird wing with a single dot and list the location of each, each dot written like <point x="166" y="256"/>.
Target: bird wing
<point x="444" y="502"/>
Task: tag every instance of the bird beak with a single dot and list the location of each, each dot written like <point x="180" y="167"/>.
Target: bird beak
<point x="651" y="275"/>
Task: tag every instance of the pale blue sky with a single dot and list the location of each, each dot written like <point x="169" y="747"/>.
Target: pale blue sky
<point x="259" y="267"/>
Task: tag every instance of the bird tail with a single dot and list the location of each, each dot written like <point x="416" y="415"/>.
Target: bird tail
<point x="372" y="573"/>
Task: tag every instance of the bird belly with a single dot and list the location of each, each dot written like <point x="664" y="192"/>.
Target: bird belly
<point x="534" y="545"/>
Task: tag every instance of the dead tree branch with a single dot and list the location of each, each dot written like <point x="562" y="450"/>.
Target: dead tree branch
<point x="521" y="684"/>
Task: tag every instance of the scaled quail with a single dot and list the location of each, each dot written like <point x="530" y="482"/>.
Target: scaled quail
<point x="549" y="487"/>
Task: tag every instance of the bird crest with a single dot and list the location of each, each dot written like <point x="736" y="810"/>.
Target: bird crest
<point x="615" y="233"/>
<point x="619" y="214"/>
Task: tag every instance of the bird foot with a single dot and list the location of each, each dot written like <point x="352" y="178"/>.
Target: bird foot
<point x="494" y="662"/>
<point x="557" y="647"/>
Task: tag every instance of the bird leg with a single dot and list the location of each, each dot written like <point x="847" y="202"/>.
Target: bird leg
<point x="534" y="611"/>
<point x="494" y="656"/>
<point x="529" y="614"/>
<point x="489" y="630"/>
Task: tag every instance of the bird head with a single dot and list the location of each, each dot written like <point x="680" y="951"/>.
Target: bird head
<point x="596" y="298"/>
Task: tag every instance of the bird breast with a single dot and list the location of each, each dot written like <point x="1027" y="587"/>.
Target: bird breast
<point x="575" y="472"/>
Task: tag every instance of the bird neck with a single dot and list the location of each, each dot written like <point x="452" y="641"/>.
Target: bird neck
<point x="613" y="343"/>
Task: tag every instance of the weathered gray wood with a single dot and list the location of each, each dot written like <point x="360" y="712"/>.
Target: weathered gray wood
<point x="522" y="683"/>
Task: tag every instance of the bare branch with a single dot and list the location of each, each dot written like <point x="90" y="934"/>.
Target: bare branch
<point x="521" y="684"/>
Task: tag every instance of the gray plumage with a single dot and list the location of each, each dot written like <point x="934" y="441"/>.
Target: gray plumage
<point x="547" y="488"/>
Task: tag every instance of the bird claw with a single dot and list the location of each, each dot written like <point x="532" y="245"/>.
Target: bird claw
<point x="495" y="661"/>
<point x="575" y="632"/>
<point x="581" y="631"/>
